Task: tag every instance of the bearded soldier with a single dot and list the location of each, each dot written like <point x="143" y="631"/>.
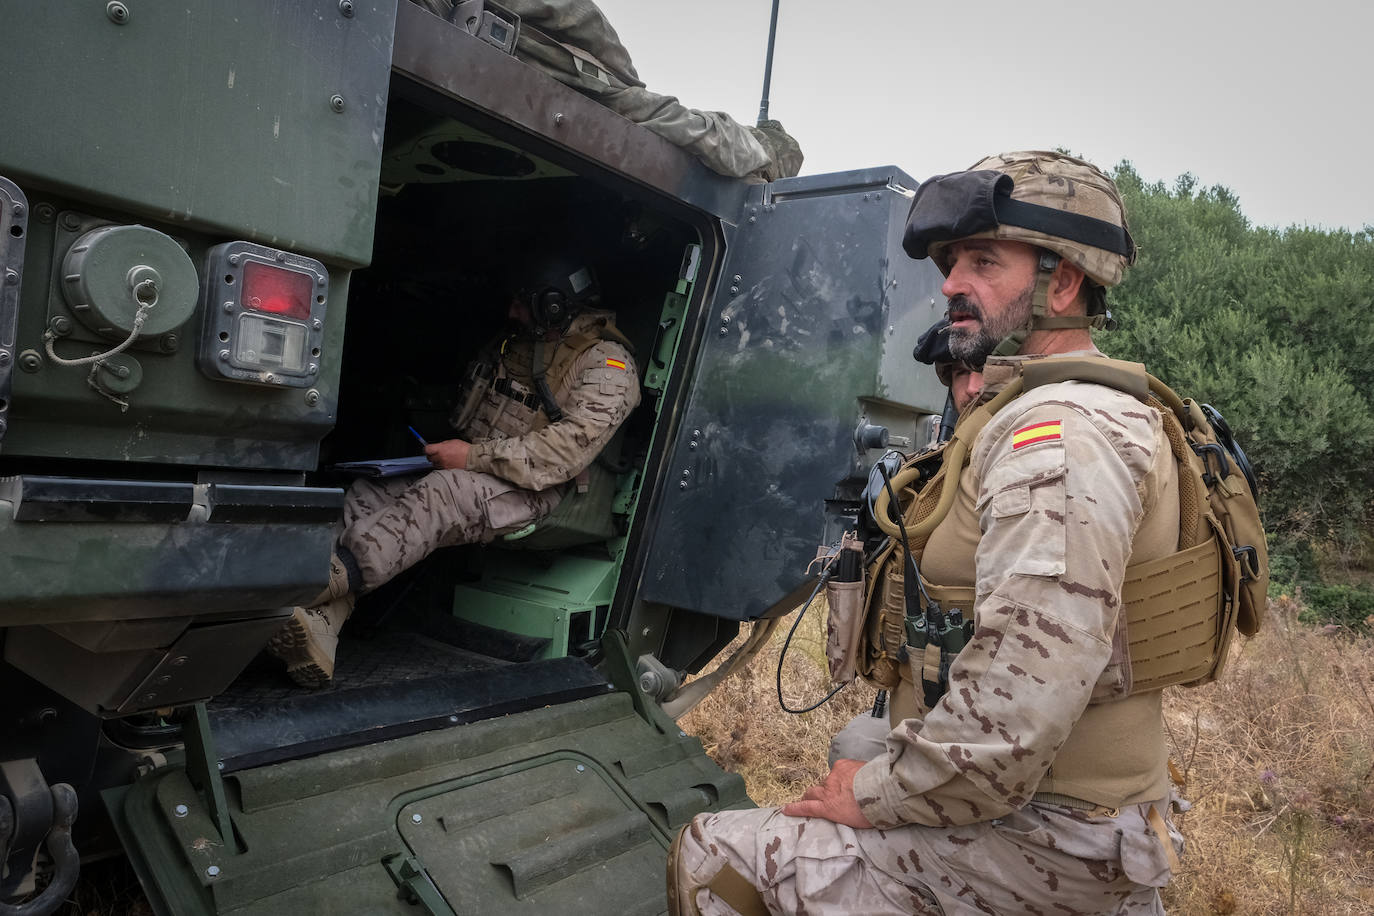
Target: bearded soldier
<point x="1026" y="773"/>
<point x="541" y="404"/>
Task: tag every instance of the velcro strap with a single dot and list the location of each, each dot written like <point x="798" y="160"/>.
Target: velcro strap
<point x="732" y="888"/>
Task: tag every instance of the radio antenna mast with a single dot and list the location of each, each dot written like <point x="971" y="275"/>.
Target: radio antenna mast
<point x="768" y="65"/>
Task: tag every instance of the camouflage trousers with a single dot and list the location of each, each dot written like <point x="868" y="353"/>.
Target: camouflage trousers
<point x="1045" y="859"/>
<point x="391" y="524"/>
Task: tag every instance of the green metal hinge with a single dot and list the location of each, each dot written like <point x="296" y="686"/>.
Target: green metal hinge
<point x="415" y="886"/>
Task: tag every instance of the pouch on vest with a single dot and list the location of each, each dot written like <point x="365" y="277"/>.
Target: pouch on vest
<point x="844" y="595"/>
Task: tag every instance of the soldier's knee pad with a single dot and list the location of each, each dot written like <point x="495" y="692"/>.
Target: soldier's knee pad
<point x="681" y="892"/>
<point x="726" y="885"/>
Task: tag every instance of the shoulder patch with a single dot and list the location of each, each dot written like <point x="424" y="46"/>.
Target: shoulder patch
<point x="1037" y="432"/>
<point x="615" y="364"/>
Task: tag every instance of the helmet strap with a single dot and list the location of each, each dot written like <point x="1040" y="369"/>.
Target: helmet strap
<point x="1040" y="306"/>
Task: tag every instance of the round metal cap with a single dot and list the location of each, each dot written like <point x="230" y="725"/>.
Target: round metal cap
<point x="110" y="271"/>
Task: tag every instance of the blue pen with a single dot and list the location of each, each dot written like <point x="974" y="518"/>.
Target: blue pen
<point x="417" y="435"/>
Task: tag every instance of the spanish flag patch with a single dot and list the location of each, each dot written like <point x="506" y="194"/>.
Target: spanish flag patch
<point x="1037" y="432"/>
<point x="615" y="364"/>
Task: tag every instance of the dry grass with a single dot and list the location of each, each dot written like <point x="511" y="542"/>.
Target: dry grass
<point x="1277" y="759"/>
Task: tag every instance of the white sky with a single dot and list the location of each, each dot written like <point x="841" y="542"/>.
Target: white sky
<point x="1267" y="98"/>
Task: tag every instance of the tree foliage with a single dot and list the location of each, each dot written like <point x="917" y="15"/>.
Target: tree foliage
<point x="1271" y="327"/>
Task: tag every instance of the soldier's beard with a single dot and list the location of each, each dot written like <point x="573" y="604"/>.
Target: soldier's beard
<point x="974" y="347"/>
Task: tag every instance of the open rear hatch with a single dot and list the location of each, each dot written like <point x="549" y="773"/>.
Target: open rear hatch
<point x="567" y="807"/>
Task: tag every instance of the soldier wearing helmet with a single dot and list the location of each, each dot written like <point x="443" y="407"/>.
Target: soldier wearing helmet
<point x="1023" y="772"/>
<point x="540" y="404"/>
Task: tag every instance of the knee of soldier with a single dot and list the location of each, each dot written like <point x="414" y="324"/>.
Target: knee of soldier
<point x="683" y="880"/>
<point x="863" y="738"/>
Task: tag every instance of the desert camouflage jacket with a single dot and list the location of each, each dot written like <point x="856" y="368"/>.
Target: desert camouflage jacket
<point x="1059" y="484"/>
<point x="596" y="392"/>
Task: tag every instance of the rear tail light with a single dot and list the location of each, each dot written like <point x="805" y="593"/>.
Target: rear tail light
<point x="264" y="316"/>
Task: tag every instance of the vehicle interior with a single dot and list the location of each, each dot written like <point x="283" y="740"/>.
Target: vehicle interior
<point x="461" y="214"/>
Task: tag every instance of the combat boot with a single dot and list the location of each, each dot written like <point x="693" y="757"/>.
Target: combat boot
<point x="338" y="585"/>
<point x="309" y="640"/>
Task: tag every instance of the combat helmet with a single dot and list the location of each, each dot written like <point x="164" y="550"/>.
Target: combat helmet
<point x="1061" y="204"/>
<point x="557" y="289"/>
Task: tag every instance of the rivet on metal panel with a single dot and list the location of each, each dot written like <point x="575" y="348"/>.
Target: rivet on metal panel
<point x="18" y="211"/>
<point x="4" y="357"/>
<point x="233" y="259"/>
<point x="12" y="277"/>
<point x="734" y="289"/>
<point x="453" y="719"/>
<point x="61" y="326"/>
<point x="416" y="818"/>
<point x="317" y="324"/>
<point x="682" y="734"/>
<point x="312" y="369"/>
<point x="281" y="255"/>
<point x="118" y="12"/>
<point x="70" y="222"/>
<point x="181" y="810"/>
<point x="219" y="764"/>
<point x="346" y="8"/>
<point x="738" y="278"/>
<point x="724" y="331"/>
<point x="229" y="307"/>
<point x="168" y="343"/>
<point x="558" y="118"/>
<point x="682" y="485"/>
<point x="224" y="355"/>
<point x="312" y="397"/>
<point x="212" y="871"/>
<point x="44" y="213"/>
<point x="753" y="219"/>
<point x="30" y="361"/>
<point x="692" y="445"/>
<point x="581" y="768"/>
<point x="336" y="103"/>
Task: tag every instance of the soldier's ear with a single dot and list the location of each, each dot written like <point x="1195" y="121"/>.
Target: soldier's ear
<point x="1065" y="285"/>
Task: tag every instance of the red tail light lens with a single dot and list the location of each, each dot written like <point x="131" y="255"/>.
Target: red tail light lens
<point x="276" y="290"/>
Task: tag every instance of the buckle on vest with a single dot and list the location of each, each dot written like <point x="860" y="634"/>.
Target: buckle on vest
<point x="1247" y="558"/>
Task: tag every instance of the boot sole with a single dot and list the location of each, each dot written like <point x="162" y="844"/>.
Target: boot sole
<point x="306" y="664"/>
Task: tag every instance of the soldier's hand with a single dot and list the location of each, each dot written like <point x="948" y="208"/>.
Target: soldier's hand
<point x="833" y="798"/>
<point x="451" y="454"/>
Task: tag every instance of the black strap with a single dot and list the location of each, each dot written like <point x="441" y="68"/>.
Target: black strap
<point x="1072" y="226"/>
<point x="541" y="385"/>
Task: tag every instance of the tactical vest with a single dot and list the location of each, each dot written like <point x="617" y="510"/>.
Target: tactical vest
<point x="504" y="400"/>
<point x="1180" y="609"/>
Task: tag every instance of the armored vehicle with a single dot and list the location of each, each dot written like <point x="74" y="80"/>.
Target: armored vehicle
<point x="241" y="243"/>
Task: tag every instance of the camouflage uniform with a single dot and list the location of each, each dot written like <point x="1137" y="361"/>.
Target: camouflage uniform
<point x="1035" y="784"/>
<point x="517" y="466"/>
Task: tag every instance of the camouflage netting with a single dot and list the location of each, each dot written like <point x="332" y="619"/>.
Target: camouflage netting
<point x="572" y="42"/>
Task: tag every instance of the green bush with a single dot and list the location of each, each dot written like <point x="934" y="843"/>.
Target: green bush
<point x="1346" y="605"/>
<point x="1272" y="328"/>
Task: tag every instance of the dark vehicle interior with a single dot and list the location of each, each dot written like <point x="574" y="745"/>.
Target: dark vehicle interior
<point x="462" y="214"/>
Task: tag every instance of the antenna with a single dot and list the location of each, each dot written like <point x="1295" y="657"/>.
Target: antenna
<point x="768" y="66"/>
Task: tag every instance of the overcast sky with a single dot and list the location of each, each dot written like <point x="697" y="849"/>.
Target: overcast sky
<point x="1268" y="99"/>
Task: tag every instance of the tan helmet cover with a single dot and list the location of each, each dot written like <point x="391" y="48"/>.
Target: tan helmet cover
<point x="1062" y="183"/>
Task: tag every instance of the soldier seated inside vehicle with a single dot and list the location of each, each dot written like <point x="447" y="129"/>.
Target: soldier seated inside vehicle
<point x="541" y="402"/>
